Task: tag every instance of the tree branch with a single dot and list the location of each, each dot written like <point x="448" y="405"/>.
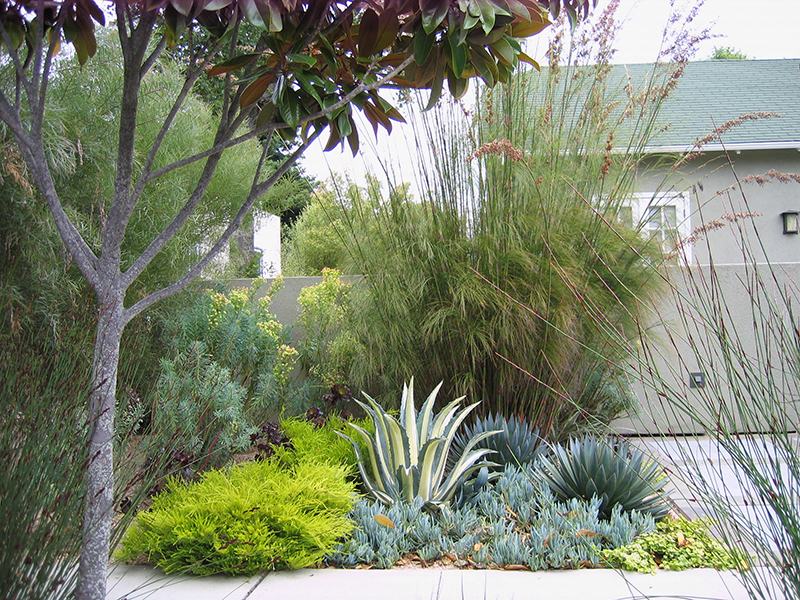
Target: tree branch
<point x="122" y="205"/>
<point x="256" y="192"/>
<point x="154" y="55"/>
<point x="191" y="77"/>
<point x="76" y="246"/>
<point x="254" y="133"/>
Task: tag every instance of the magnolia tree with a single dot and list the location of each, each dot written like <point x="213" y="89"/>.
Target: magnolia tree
<point x="312" y="64"/>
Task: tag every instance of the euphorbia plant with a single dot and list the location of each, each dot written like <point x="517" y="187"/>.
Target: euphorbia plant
<point x="311" y="63"/>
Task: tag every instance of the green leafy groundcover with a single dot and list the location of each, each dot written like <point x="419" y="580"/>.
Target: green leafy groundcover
<point x="676" y="545"/>
<point x="255" y="516"/>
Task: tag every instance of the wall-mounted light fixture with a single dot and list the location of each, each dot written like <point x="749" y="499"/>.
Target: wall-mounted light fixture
<point x="697" y="380"/>
<point x="791" y="222"/>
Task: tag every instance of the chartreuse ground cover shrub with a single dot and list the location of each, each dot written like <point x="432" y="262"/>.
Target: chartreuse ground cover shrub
<point x="254" y="516"/>
<point x="677" y="544"/>
<point x="322" y="442"/>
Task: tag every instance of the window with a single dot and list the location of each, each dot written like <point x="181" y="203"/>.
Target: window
<point x="665" y="218"/>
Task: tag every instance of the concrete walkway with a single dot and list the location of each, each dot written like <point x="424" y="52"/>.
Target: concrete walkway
<point x="140" y="583"/>
<point x="683" y="458"/>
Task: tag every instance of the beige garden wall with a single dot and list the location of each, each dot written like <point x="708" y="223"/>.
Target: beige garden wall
<point x="678" y="351"/>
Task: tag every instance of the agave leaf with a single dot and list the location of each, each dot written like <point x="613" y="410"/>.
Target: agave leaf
<point x="429" y="467"/>
<point x="408" y="417"/>
<point x="451" y="427"/>
<point x="378" y="446"/>
<point x="466" y="452"/>
<point x="464" y="467"/>
<point x="444" y="417"/>
<point x="384" y="442"/>
<point x="426" y="415"/>
<point x="372" y="486"/>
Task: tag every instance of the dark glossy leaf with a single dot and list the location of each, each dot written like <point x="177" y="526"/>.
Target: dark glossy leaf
<point x="182" y="6"/>
<point x="309" y="83"/>
<point x="487" y="15"/>
<point x="394" y="115"/>
<point x="216" y="4"/>
<point x="15" y="33"/>
<point x="470" y="21"/>
<point x="302" y="59"/>
<point x="388" y="26"/>
<point x="176" y="25"/>
<point x="250" y="10"/>
<point x="96" y="13"/>
<point x="479" y="38"/>
<point x="389" y="110"/>
<point x="523" y="29"/>
<point x="292" y="110"/>
<point x="484" y="64"/>
<point x="458" y="86"/>
<point x="458" y="54"/>
<point x="368" y="33"/>
<point x="525" y="58"/>
<point x="334" y="138"/>
<point x="436" y="86"/>
<point x="433" y="13"/>
<point x="518" y="9"/>
<point x="423" y="43"/>
<point x="266" y="114"/>
<point x="279" y="91"/>
<point x="352" y="140"/>
<point x="88" y="43"/>
<point x="255" y="90"/>
<point x="70" y="29"/>
<point x="504" y="52"/>
<point x="376" y="116"/>
<point x="369" y="114"/>
<point x="345" y="124"/>
<point x="237" y="62"/>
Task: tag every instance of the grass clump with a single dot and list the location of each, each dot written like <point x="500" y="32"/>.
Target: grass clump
<point x="676" y="545"/>
<point x="256" y="516"/>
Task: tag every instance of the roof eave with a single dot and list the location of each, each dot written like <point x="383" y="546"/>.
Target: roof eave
<point x="733" y="146"/>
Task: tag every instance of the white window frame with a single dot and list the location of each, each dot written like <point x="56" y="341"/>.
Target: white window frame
<point x="641" y="203"/>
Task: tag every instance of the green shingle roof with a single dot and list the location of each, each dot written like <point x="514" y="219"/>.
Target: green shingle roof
<point x="715" y="91"/>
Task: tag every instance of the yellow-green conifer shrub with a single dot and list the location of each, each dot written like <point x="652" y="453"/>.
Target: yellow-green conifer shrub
<point x="254" y="516"/>
<point x="322" y="443"/>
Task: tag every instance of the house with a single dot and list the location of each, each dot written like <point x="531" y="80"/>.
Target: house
<point x="742" y="182"/>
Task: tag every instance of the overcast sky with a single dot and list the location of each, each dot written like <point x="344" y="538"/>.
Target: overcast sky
<point x="761" y="29"/>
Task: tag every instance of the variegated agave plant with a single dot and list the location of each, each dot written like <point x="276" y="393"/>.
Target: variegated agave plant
<point x="408" y="458"/>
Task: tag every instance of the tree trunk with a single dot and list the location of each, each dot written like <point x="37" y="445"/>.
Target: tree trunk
<point x="99" y="501"/>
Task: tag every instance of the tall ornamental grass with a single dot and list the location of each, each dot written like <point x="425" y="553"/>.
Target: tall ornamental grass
<point x="519" y="193"/>
<point x="737" y="324"/>
<point x="44" y="447"/>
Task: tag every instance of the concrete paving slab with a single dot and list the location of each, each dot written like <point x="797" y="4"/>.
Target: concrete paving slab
<point x="126" y="582"/>
<point x="428" y="584"/>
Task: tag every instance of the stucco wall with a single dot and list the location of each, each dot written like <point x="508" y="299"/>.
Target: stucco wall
<point x="714" y="191"/>
<point x="676" y="357"/>
<point x="681" y="344"/>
